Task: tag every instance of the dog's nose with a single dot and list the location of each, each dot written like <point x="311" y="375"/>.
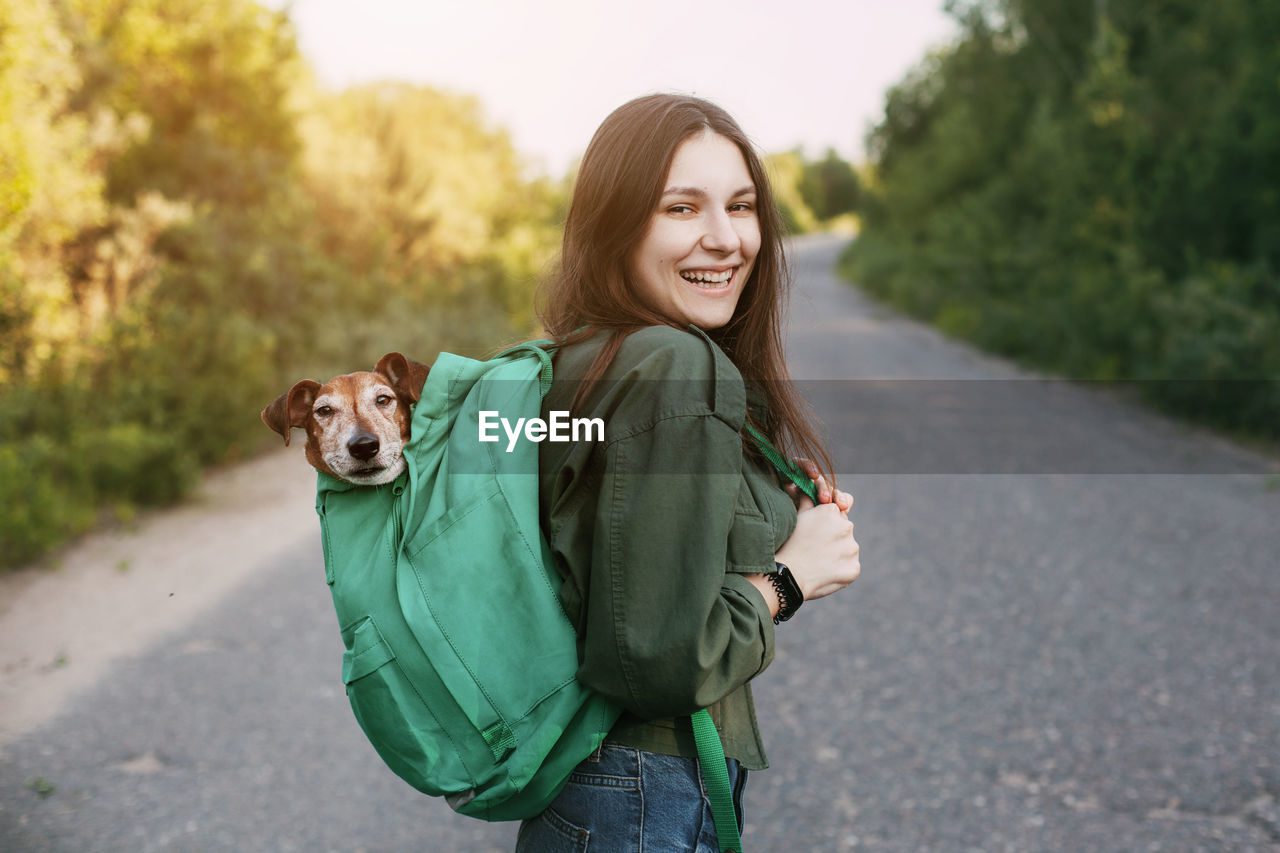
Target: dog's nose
<point x="363" y="447"/>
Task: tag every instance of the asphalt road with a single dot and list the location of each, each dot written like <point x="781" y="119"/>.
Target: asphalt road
<point x="1066" y="637"/>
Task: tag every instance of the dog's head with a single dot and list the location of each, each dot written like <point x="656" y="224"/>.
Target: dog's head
<point x="357" y="424"/>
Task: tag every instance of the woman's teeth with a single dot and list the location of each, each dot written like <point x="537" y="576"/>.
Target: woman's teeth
<point x="709" y="278"/>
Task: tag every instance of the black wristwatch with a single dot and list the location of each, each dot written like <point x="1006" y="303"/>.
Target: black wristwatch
<point x="789" y="595"/>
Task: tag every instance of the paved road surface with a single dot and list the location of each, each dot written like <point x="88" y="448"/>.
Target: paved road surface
<point x="1066" y="638"/>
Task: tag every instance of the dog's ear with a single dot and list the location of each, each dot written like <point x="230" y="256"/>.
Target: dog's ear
<point x="406" y="377"/>
<point x="292" y="408"/>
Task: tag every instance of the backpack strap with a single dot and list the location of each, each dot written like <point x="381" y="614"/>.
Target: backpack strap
<point x="543" y="349"/>
<point x="715" y="773"/>
<point x="784" y="465"/>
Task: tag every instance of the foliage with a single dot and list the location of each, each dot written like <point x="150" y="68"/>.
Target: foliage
<point x="1092" y="186"/>
<point x="411" y="181"/>
<point x="812" y="193"/>
<point x="187" y="226"/>
<point x="830" y="186"/>
<point x="786" y="174"/>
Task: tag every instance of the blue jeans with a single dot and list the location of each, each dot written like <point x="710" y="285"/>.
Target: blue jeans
<point x="624" y="800"/>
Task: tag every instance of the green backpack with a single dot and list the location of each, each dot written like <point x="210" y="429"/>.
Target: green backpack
<point x="460" y="662"/>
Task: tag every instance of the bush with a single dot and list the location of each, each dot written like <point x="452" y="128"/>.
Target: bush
<point x="1089" y="188"/>
<point x="128" y="462"/>
<point x="187" y="227"/>
<point x="42" y="508"/>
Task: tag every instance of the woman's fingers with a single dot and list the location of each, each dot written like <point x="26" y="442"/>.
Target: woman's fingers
<point x="826" y="493"/>
<point x="811" y="470"/>
<point x="844" y="500"/>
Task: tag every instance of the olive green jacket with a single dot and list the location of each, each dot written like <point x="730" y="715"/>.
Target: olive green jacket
<point x="651" y="529"/>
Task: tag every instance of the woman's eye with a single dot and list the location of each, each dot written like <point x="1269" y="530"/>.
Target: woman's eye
<point x="740" y="207"/>
<point x="680" y="209"/>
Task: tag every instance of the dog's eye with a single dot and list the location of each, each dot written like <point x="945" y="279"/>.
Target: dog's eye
<point x="383" y="400"/>
<point x="324" y="411"/>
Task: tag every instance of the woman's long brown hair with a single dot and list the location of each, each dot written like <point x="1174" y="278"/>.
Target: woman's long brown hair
<point x="619" y="184"/>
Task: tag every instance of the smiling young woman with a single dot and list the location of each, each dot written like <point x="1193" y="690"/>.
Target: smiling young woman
<point x="669" y="533"/>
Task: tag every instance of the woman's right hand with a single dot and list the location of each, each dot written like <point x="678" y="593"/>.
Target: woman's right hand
<point x="821" y="552"/>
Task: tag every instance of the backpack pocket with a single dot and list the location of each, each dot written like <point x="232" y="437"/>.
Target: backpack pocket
<point x="396" y="718"/>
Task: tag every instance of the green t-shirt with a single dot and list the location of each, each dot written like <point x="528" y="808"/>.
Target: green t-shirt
<point x="651" y="529"/>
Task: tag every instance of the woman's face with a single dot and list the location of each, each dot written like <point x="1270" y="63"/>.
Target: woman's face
<point x="697" y="252"/>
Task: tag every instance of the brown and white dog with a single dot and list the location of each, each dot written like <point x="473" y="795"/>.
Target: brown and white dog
<point x="357" y="424"/>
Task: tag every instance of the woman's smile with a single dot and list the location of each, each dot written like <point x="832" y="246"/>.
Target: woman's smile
<point x="708" y="279"/>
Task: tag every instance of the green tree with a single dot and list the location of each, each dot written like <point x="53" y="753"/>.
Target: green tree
<point x="413" y="170"/>
<point x="187" y="224"/>
<point x="786" y="175"/>
<point x="1090" y="185"/>
<point x="49" y="188"/>
<point x="205" y="87"/>
<point x="830" y="186"/>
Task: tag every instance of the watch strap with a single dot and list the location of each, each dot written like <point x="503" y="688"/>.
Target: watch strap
<point x="790" y="596"/>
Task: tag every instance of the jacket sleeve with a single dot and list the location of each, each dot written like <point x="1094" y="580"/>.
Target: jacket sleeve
<point x="668" y="630"/>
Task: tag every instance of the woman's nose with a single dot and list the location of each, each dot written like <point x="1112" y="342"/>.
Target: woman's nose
<point x="719" y="234"/>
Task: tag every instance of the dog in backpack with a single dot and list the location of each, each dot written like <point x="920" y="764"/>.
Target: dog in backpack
<point x="357" y="424"/>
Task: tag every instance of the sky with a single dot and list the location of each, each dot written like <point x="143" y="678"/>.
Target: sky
<point x="549" y="71"/>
